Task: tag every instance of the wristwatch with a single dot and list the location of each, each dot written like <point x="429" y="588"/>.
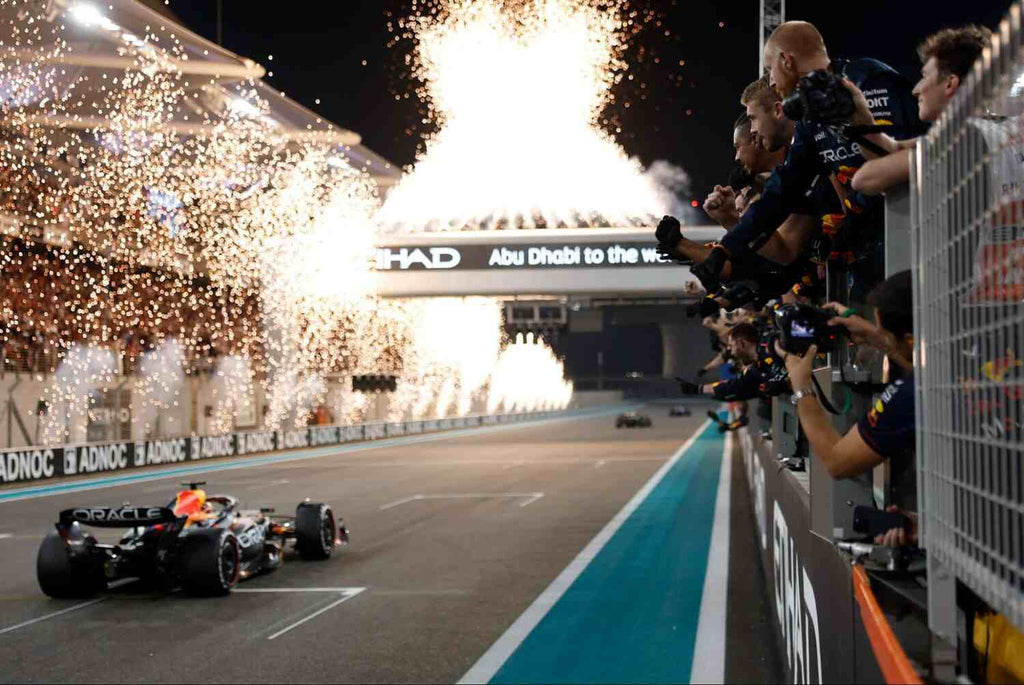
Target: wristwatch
<point x="795" y="398"/>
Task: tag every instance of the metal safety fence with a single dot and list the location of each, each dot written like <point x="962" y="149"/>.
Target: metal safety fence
<point x="967" y="240"/>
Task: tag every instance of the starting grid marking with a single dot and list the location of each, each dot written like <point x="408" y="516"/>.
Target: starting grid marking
<point x="55" y="614"/>
<point x="345" y="594"/>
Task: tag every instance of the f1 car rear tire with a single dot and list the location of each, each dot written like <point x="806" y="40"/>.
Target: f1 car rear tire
<point x="315" y="531"/>
<point x="63" y="577"/>
<point x="211" y="562"/>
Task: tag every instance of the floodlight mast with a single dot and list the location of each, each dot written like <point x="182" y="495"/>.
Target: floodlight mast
<point x="773" y="13"/>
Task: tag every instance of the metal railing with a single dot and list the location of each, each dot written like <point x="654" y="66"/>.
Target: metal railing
<point x="967" y="238"/>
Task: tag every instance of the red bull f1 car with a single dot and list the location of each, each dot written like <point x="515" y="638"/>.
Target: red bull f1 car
<point x="203" y="544"/>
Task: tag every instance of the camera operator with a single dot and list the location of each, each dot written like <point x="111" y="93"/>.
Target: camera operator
<point x="799" y="66"/>
<point x="761" y="375"/>
<point x="946" y="57"/>
<point x="887" y="431"/>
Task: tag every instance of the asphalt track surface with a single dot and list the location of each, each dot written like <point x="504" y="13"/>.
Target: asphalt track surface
<point x="451" y="543"/>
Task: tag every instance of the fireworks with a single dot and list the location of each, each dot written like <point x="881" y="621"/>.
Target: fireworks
<point x="162" y="224"/>
<point x="516" y="90"/>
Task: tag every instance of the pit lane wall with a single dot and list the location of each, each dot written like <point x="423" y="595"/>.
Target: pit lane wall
<point x="820" y="635"/>
<point x="34" y="464"/>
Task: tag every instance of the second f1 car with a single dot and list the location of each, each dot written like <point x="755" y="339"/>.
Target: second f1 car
<point x="632" y="419"/>
<point x="203" y="544"/>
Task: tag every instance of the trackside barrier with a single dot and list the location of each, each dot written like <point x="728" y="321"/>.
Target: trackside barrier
<point x="890" y="655"/>
<point x="821" y="636"/>
<point x="41" y="463"/>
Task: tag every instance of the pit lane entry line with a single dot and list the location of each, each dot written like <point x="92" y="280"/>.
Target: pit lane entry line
<point x="530" y="497"/>
<point x="494" y="658"/>
<point x="298" y="455"/>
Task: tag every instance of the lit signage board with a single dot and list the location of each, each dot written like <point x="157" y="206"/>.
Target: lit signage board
<point x="507" y="257"/>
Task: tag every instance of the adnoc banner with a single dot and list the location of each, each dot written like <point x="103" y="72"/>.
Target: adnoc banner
<point x="506" y="256"/>
<point x="28" y="464"/>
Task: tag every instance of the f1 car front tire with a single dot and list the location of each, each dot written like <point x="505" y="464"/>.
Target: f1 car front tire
<point x="210" y="562"/>
<point x="64" y="577"/>
<point x="315" y="531"/>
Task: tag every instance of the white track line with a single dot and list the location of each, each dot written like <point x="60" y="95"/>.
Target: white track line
<point x="349" y="594"/>
<point x="492" y="660"/>
<point x="47" y="617"/>
<point x="341" y="590"/>
<point x="83" y="605"/>
<point x="531" y="497"/>
<point x="709" y="648"/>
<point x="508" y="466"/>
<point x="4" y="536"/>
<point x="406" y="500"/>
<point x="536" y="496"/>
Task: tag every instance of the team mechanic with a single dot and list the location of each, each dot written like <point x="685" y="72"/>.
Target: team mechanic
<point x="817" y="151"/>
<point x="763" y="375"/>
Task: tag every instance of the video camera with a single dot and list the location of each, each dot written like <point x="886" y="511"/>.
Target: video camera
<point x="800" y="326"/>
<point x="820" y="97"/>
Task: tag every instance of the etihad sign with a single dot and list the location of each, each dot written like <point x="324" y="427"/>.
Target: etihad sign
<point x="630" y="254"/>
<point x="427" y="258"/>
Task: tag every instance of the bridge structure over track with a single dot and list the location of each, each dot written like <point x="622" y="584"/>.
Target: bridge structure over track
<point x="591" y="262"/>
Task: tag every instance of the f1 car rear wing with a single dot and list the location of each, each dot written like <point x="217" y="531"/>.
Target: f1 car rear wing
<point x="120" y="517"/>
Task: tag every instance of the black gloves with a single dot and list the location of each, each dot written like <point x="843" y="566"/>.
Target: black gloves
<point x="709" y="271"/>
<point x="701" y="371"/>
<point x="669" y="231"/>
<point x="687" y="387"/>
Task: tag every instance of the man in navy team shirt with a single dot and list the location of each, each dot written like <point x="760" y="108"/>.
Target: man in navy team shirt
<point x="818" y="151"/>
<point x="887" y="431"/>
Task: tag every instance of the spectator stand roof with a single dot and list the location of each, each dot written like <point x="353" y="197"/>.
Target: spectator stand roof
<point x="87" y="46"/>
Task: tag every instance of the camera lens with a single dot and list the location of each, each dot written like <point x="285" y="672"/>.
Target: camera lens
<point x="793" y="107"/>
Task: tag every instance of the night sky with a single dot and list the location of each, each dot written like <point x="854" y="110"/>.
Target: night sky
<point x="694" y="74"/>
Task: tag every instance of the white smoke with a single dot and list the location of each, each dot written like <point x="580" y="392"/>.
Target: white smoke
<point x="162" y="377"/>
<point x="84" y="368"/>
<point x="232" y="390"/>
<point x="672" y="184"/>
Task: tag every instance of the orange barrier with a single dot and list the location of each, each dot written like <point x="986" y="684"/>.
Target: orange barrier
<point x="890" y="655"/>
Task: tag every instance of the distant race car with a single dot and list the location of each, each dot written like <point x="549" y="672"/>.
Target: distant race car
<point x="204" y="544"/>
<point x="679" y="410"/>
<point x="632" y="419"/>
